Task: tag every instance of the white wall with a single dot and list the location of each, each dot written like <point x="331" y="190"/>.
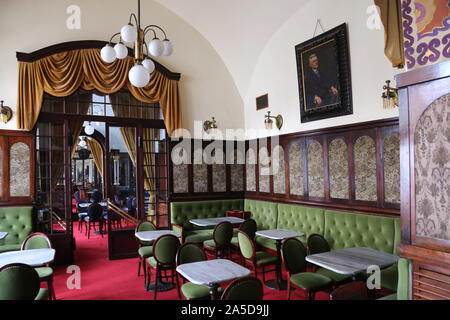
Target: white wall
<point x="206" y="86"/>
<point x="276" y="70"/>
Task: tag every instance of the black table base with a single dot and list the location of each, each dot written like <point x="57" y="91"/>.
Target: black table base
<point x="162" y="286"/>
<point x="272" y="284"/>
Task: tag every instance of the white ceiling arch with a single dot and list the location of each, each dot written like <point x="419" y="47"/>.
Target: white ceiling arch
<point x="237" y="29"/>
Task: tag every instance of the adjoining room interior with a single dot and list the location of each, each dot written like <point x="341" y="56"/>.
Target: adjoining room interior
<point x="254" y="150"/>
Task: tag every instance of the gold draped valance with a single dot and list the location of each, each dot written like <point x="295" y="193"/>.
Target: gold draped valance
<point x="61" y="74"/>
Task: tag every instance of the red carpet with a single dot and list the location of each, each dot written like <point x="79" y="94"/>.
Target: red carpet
<point x="104" y="279"/>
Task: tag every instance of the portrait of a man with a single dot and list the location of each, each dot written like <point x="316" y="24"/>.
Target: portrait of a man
<point x="321" y="85"/>
<point x="323" y="71"/>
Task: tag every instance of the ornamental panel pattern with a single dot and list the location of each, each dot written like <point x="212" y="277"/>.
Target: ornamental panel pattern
<point x="264" y="170"/>
<point x="200" y="177"/>
<point x="391" y="156"/>
<point x="432" y="170"/>
<point x="19" y="182"/>
<point x="180" y="178"/>
<point x="251" y="168"/>
<point x="279" y="178"/>
<point x="219" y="179"/>
<point x="237" y="173"/>
<point x="338" y="169"/>
<point x="315" y="170"/>
<point x="296" y="170"/>
<point x="364" y="154"/>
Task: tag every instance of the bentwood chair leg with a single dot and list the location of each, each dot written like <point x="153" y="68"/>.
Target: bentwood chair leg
<point x="178" y="286"/>
<point x="289" y="289"/>
<point x="51" y="293"/>
<point x="158" y="275"/>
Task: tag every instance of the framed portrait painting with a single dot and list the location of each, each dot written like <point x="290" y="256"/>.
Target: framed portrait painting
<point x="324" y="79"/>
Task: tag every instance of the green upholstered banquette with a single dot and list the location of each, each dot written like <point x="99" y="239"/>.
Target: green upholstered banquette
<point x="182" y="212"/>
<point x="18" y="222"/>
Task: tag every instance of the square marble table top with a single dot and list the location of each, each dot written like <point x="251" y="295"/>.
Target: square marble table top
<point x="3" y="234"/>
<point x="210" y="272"/>
<point x="32" y="257"/>
<point x="352" y="260"/>
<point x="155" y="234"/>
<point x="279" y="234"/>
<point x="215" y="221"/>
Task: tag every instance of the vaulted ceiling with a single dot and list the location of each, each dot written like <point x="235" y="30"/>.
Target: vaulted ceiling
<point x="231" y="24"/>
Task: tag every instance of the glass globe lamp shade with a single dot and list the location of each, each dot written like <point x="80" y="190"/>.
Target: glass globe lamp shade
<point x="121" y="50"/>
<point x="156" y="47"/>
<point x="89" y="129"/>
<point x="268" y="123"/>
<point x="168" y="48"/>
<point x="149" y="65"/>
<point x="108" y="53"/>
<point x="82" y="143"/>
<point x="139" y="76"/>
<point x="128" y="33"/>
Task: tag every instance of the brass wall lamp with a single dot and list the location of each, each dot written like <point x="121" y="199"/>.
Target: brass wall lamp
<point x="268" y="121"/>
<point x="390" y="96"/>
<point x="210" y="125"/>
<point x="5" y="112"/>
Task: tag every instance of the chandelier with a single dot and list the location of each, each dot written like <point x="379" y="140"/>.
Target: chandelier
<point x="139" y="75"/>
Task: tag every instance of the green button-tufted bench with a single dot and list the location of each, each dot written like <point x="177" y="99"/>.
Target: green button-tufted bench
<point x="182" y="212"/>
<point x="18" y="222"/>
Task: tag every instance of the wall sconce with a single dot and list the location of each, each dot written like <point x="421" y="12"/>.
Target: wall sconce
<point x="268" y="121"/>
<point x="210" y="125"/>
<point x="390" y="96"/>
<point x="115" y="153"/>
<point x="5" y="112"/>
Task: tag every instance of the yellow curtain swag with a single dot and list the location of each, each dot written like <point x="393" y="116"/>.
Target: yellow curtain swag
<point x="61" y="74"/>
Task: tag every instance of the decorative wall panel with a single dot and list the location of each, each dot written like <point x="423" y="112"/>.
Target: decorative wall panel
<point x="180" y="178"/>
<point x="279" y="178"/>
<point x="251" y="168"/>
<point x="315" y="170"/>
<point x="391" y="156"/>
<point x="338" y="169"/>
<point x="296" y="170"/>
<point x="19" y="183"/>
<point x="200" y="177"/>
<point x="364" y="154"/>
<point x="237" y="173"/>
<point x="264" y="167"/>
<point x="432" y="170"/>
<point x="219" y="173"/>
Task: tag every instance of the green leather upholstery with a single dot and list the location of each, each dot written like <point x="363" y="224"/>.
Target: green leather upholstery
<point x="249" y="288"/>
<point x="182" y="212"/>
<point x="265" y="214"/>
<point x="145" y="226"/>
<point x="302" y="219"/>
<point x="403" y="281"/>
<point x="19" y="282"/>
<point x="18" y="222"/>
<point x="346" y="230"/>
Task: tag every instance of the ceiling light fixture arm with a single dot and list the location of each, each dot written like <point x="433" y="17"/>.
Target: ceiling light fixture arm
<point x="115" y="34"/>
<point x="149" y="27"/>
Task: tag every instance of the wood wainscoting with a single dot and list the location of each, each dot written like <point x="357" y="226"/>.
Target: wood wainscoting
<point x="424" y="98"/>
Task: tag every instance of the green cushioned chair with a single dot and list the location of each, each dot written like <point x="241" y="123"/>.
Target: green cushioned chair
<point x="145" y="247"/>
<point x="293" y="253"/>
<point x="255" y="259"/>
<point x="403" y="281"/>
<point x="248" y="227"/>
<point x="221" y="243"/>
<point x="187" y="253"/>
<point x="40" y="240"/>
<point x="248" y="288"/>
<point x="20" y="282"/>
<point x="18" y="222"/>
<point x="318" y="244"/>
<point x="164" y="254"/>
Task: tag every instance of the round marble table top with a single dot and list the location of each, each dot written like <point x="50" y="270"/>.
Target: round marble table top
<point x="32" y="257"/>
